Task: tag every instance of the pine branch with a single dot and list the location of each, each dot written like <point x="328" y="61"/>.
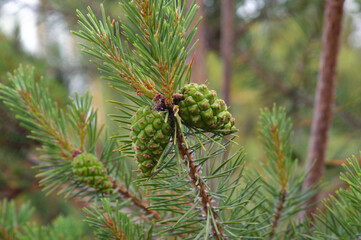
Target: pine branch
<point x="118" y="64"/>
<point x="12" y="221"/>
<point x="111" y="223"/>
<point x="206" y="201"/>
<point x="25" y="100"/>
<point x="162" y="39"/>
<point x="173" y="191"/>
<point x="341" y="218"/>
<point x="277" y="141"/>
<point x="284" y="179"/>
<point x="280" y="206"/>
<point x="276" y="135"/>
<point x="191" y="211"/>
<point x="142" y="205"/>
<point x="17" y="223"/>
<point x="278" y="145"/>
<point x="75" y="230"/>
<point x="64" y="135"/>
<point x="152" y="58"/>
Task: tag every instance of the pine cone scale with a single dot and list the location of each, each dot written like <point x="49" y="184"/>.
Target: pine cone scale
<point x="201" y="108"/>
<point x="150" y="134"/>
<point x="90" y="171"/>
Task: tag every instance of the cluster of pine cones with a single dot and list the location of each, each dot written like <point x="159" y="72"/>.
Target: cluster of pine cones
<point x="199" y="108"/>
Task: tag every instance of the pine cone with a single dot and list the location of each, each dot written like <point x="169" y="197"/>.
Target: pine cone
<point x="202" y="108"/>
<point x="150" y="135"/>
<point x="90" y="170"/>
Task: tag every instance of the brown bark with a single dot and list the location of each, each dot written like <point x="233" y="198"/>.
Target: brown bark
<point x="128" y="195"/>
<point x="227" y="38"/>
<point x="205" y="198"/>
<point x="42" y="29"/>
<point x="325" y="94"/>
<point x="199" y="69"/>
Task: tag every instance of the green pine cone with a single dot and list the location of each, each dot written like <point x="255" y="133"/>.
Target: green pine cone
<point x="202" y="108"/>
<point x="90" y="170"/>
<point x="150" y="135"/>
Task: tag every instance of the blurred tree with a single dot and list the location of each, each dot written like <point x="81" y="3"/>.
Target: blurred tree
<point x="16" y="152"/>
<point x="325" y="94"/>
<point x="227" y="38"/>
<point x="199" y="73"/>
<point x="15" y="177"/>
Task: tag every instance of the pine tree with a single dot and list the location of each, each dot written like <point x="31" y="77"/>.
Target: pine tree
<point x="177" y="133"/>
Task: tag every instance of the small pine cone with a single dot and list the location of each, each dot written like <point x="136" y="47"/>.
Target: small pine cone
<point x="150" y="135"/>
<point x="202" y="108"/>
<point x="90" y="170"/>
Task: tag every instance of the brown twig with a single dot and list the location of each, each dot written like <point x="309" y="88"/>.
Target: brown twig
<point x="339" y="162"/>
<point x="5" y="233"/>
<point x="277" y="141"/>
<point x="142" y="205"/>
<point x="206" y="199"/>
<point x="112" y="226"/>
<point x="325" y="94"/>
<point x="278" y="214"/>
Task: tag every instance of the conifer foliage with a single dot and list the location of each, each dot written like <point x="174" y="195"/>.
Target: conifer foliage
<point x="177" y="133"/>
<point x="15" y="223"/>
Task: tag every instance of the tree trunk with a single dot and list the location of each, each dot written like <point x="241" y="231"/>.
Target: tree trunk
<point x="42" y="29"/>
<point x="227" y="38"/>
<point x="325" y="94"/>
<point x="199" y="70"/>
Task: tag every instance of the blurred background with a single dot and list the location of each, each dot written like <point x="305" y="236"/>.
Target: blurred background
<point x="253" y="52"/>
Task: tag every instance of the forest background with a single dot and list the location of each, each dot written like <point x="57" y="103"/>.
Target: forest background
<point x="253" y="52"/>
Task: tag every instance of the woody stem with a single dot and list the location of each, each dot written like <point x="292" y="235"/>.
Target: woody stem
<point x="142" y="205"/>
<point x="198" y="184"/>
